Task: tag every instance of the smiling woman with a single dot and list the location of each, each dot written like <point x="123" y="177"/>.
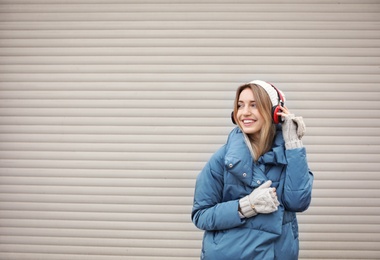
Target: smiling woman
<point x="247" y="195"/>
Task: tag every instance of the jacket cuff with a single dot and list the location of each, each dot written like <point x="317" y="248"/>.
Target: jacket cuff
<point x="246" y="209"/>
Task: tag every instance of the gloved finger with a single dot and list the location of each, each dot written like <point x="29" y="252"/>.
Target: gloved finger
<point x="274" y="198"/>
<point x="273" y="193"/>
<point x="273" y="206"/>
<point x="290" y="116"/>
<point x="301" y="128"/>
<point x="284" y="113"/>
<point x="265" y="185"/>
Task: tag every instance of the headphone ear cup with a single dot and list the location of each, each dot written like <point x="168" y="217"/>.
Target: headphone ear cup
<point x="275" y="110"/>
<point x="233" y="118"/>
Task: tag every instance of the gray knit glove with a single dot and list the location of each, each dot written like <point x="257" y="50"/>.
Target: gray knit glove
<point x="293" y="129"/>
<point x="261" y="200"/>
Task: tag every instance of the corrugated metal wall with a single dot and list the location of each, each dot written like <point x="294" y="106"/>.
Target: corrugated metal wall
<point x="109" y="109"/>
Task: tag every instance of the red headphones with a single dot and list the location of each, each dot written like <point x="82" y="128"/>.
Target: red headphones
<point x="275" y="109"/>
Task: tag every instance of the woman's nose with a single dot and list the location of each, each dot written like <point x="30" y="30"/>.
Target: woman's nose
<point x="246" y="110"/>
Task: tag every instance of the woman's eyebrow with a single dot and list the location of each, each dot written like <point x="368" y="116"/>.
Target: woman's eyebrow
<point x="250" y="101"/>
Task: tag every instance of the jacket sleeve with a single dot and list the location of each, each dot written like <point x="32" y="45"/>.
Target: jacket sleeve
<point x="298" y="181"/>
<point x="209" y="211"/>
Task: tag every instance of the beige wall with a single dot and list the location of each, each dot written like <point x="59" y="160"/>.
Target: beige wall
<point x="109" y="110"/>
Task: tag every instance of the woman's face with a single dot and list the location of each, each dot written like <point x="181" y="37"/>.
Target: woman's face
<point x="248" y="115"/>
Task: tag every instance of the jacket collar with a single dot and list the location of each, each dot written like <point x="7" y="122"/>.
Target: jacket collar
<point x="276" y="155"/>
<point x="237" y="147"/>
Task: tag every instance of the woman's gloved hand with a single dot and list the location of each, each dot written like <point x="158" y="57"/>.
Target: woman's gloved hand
<point x="261" y="200"/>
<point x="293" y="129"/>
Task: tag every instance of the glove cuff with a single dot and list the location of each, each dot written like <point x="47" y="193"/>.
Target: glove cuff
<point x="293" y="144"/>
<point x="246" y="208"/>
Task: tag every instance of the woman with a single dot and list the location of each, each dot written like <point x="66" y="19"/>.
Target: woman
<point x="247" y="195"/>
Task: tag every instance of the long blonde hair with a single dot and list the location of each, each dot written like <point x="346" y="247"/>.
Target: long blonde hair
<point x="263" y="144"/>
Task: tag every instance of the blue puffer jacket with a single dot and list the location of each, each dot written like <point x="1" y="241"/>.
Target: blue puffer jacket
<point x="231" y="174"/>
